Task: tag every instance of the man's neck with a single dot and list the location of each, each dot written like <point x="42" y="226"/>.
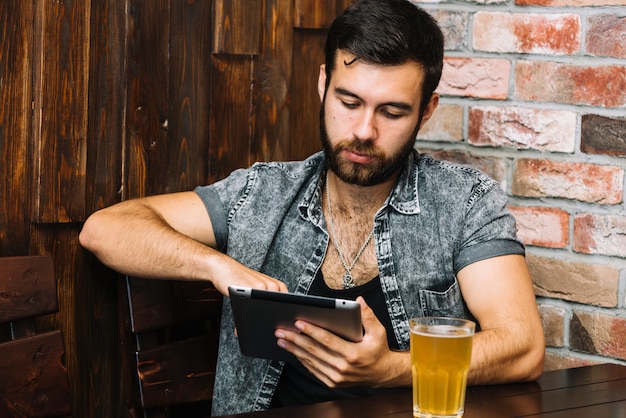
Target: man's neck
<point x="354" y="200"/>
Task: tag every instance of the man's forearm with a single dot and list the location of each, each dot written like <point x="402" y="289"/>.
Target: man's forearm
<point x="498" y="357"/>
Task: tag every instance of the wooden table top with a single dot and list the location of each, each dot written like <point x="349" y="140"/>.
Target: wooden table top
<point x="597" y="391"/>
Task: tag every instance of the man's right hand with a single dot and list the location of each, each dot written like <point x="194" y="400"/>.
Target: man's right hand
<point x="229" y="272"/>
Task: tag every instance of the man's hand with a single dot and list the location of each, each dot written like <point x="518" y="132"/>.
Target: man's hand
<point x="226" y="271"/>
<point x="340" y="363"/>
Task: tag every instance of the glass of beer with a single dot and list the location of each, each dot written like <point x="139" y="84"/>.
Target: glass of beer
<point x="440" y="356"/>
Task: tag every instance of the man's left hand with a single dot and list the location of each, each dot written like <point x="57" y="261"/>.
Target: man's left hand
<point x="341" y="363"/>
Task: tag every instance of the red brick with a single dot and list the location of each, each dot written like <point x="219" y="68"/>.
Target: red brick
<point x="585" y="182"/>
<point x="446" y="124"/>
<point x="596" y="333"/>
<point x="557" y="34"/>
<point x="486" y="78"/>
<point x="555" y="361"/>
<point x="454" y="27"/>
<point x="553" y="321"/>
<point x="602" y="85"/>
<point x="600" y="234"/>
<point x="543" y="227"/>
<point x="591" y="284"/>
<point x="603" y="135"/>
<point x="523" y="128"/>
<point x="573" y="3"/>
<point x="442" y="1"/>
<point x="606" y="36"/>
<point x="494" y="167"/>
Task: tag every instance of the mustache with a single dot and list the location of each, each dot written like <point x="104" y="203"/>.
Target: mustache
<point x="365" y="148"/>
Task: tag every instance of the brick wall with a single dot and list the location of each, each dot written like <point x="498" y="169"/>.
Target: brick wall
<point x="534" y="94"/>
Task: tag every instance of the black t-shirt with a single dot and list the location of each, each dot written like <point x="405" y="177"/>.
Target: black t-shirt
<point x="297" y="386"/>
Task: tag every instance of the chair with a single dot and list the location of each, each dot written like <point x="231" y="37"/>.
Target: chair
<point x="33" y="376"/>
<point x="172" y="330"/>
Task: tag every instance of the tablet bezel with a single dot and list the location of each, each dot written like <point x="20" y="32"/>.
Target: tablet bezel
<point x="258" y="313"/>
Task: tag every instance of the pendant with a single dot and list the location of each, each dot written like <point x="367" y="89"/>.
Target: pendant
<point x="348" y="281"/>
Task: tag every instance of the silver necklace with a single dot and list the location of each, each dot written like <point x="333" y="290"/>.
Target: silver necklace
<point x="348" y="280"/>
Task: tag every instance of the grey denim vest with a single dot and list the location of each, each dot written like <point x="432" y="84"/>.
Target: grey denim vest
<point x="439" y="218"/>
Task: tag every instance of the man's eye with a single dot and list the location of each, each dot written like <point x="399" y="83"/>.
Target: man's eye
<point x="391" y="115"/>
<point x="350" y="105"/>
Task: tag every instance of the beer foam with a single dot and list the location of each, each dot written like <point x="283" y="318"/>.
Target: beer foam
<point x="445" y="331"/>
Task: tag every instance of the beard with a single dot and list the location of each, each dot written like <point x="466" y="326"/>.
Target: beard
<point x="382" y="168"/>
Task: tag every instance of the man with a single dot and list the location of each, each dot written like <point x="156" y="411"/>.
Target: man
<point x="369" y="218"/>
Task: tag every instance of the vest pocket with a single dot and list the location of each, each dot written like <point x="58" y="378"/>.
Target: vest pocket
<point x="448" y="303"/>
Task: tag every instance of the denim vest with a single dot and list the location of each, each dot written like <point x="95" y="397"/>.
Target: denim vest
<point x="439" y="218"/>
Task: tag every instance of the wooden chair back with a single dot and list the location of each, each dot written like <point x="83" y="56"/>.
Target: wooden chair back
<point x="172" y="329"/>
<point x="33" y="376"/>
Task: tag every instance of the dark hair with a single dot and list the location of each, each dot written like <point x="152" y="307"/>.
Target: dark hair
<point x="388" y="32"/>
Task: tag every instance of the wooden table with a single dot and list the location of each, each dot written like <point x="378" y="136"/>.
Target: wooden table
<point x="597" y="391"/>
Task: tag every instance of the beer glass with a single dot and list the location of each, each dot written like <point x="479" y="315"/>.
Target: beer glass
<point x="440" y="357"/>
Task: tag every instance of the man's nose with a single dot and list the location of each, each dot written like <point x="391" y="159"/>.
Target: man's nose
<point x="365" y="128"/>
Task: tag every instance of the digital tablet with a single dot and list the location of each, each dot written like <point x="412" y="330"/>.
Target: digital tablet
<point x="258" y="313"/>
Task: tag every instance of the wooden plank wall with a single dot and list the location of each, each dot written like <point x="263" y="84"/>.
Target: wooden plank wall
<point x="110" y="100"/>
<point x="16" y="44"/>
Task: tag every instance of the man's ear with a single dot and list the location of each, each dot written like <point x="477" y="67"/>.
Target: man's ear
<point x="321" y="82"/>
<point x="430" y="108"/>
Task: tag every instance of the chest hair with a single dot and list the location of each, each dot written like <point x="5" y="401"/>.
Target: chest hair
<point x="351" y="233"/>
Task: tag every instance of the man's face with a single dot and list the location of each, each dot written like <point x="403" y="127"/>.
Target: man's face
<point x="369" y="118"/>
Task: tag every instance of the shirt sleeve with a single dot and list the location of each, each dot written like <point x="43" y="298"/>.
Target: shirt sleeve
<point x="220" y="199"/>
<point x="217" y="214"/>
<point x="490" y="229"/>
